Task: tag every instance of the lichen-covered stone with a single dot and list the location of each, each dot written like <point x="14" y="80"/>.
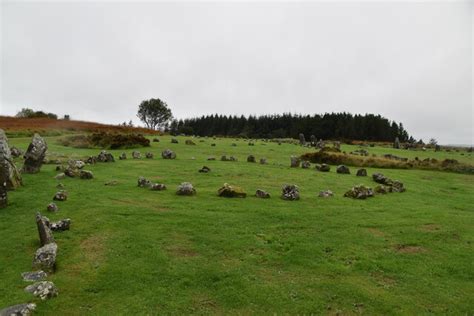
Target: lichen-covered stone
<point x="305" y="164"/>
<point x="168" y="154"/>
<point x="123" y="156"/>
<point x="251" y="158"/>
<point x="35" y="155"/>
<point x="158" y="187"/>
<point x="45" y="257"/>
<point x="186" y="188"/>
<point x="52" y="207"/>
<point x="326" y="193"/>
<point x="43" y="289"/>
<point x="262" y="194"/>
<point x="19" y="310"/>
<point x="189" y="142"/>
<point x="323" y="167"/>
<point x="295" y="162"/>
<point x="105" y="156"/>
<point x="136" y="154"/>
<point x="205" y="169"/>
<point x="361" y="173"/>
<point x="45" y="234"/>
<point x="34" y="276"/>
<point x="263" y="161"/>
<point x="359" y="192"/>
<point x="144" y="183"/>
<point x="61" y="225"/>
<point x="149" y="155"/>
<point x="61" y="196"/>
<point x="290" y="192"/>
<point x="228" y="190"/>
<point x="86" y="174"/>
<point x="10" y="177"/>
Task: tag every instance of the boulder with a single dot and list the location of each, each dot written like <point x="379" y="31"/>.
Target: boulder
<point x="61" y="196"/>
<point x="361" y="173"/>
<point x="71" y="172"/>
<point x="383" y="189"/>
<point x="105" y="156"/>
<point x="189" y="142"/>
<point x="397" y="186"/>
<point x="174" y="141"/>
<point x="35" y="155"/>
<point x="343" y="169"/>
<point x="76" y="164"/>
<point x="43" y="289"/>
<point x="19" y="310"/>
<point x="263" y="161"/>
<point x="34" y="276"/>
<point x="302" y="139"/>
<point x="205" y="169"/>
<point x="359" y="192"/>
<point x="290" y="192"/>
<point x="213" y="145"/>
<point x="326" y="193"/>
<point x="228" y="190"/>
<point x="91" y="160"/>
<point x="156" y="140"/>
<point x="45" y="257"/>
<point x="232" y="158"/>
<point x="234" y="144"/>
<point x="211" y="158"/>
<point x="52" y="207"/>
<point x="86" y="174"/>
<point x="158" y="187"/>
<point x="61" y="225"/>
<point x="168" y="154"/>
<point x="251" y="158"/>
<point x="149" y="155"/>
<point x="262" y="194"/>
<point x="294" y="162"/>
<point x="16" y="152"/>
<point x="251" y="144"/>
<point x="323" y="167"/>
<point x="136" y="154"/>
<point x="224" y="158"/>
<point x="45" y="234"/>
<point x="144" y="183"/>
<point x="10" y="177"/>
<point x="305" y="164"/>
<point x="123" y="156"/>
<point x="185" y="188"/>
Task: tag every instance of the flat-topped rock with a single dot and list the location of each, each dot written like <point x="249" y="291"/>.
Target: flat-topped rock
<point x="149" y="155"/>
<point x="105" y="156"/>
<point x="305" y="164"/>
<point x="86" y="174"/>
<point x="326" y="193"/>
<point x="144" y="183"/>
<point x="205" y="169"/>
<point x="343" y="169"/>
<point x="61" y="225"/>
<point x="360" y="192"/>
<point x="251" y="158"/>
<point x="228" y="190"/>
<point x="52" y="207"/>
<point x="61" y="195"/>
<point x="158" y="187"/>
<point x="262" y="194"/>
<point x="323" y="167"/>
<point x="136" y="154"/>
<point x="35" y="155"/>
<point x="123" y="156"/>
<point x="361" y="173"/>
<point x="34" y="276"/>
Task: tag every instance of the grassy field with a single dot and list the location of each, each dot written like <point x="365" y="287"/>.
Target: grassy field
<point x="135" y="251"/>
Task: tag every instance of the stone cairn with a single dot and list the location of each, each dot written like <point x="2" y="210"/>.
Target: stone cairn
<point x="35" y="155"/>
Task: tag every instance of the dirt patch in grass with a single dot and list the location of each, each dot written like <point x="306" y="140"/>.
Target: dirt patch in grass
<point x="430" y="227"/>
<point x="179" y="251"/>
<point x="93" y="249"/>
<point x="376" y="232"/>
<point x="204" y="304"/>
<point x="409" y="249"/>
<point x="383" y="280"/>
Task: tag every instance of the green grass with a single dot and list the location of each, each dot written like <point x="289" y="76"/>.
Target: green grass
<point x="131" y="250"/>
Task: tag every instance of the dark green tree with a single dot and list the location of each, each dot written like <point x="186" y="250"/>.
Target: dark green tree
<point x="154" y="113"/>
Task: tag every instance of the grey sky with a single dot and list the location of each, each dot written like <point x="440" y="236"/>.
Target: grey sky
<point x="411" y="62"/>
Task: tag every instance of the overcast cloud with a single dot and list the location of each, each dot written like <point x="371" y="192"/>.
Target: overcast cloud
<point x="411" y="62"/>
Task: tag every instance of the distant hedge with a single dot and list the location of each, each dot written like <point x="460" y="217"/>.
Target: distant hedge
<point x="105" y="140"/>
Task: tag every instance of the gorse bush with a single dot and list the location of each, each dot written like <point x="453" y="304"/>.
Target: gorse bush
<point x="106" y="140"/>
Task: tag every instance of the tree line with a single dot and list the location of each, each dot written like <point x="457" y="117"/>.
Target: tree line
<point x="342" y="126"/>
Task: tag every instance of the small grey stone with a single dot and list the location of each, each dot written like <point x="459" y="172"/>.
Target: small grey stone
<point x="34" y="276"/>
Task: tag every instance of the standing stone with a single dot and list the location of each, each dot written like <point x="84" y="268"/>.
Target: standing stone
<point x="302" y="139"/>
<point x="361" y="173"/>
<point x="323" y="167"/>
<point x="313" y="140"/>
<point x="34" y="155"/>
<point x="149" y="155"/>
<point x="52" y="207"/>
<point x="337" y="145"/>
<point x="16" y="152"/>
<point x="3" y="194"/>
<point x="144" y="183"/>
<point x="123" y="156"/>
<point x="45" y="234"/>
<point x="45" y="257"/>
<point x="263" y="161"/>
<point x="396" y="143"/>
<point x="359" y="192"/>
<point x="295" y="162"/>
<point x="105" y="156"/>
<point x="60" y="196"/>
<point x="10" y="178"/>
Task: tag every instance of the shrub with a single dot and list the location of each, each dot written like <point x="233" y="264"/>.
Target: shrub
<point x="106" y="140"/>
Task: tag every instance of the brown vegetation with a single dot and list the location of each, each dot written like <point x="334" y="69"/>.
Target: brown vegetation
<point x="16" y="126"/>
<point x="105" y="140"/>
